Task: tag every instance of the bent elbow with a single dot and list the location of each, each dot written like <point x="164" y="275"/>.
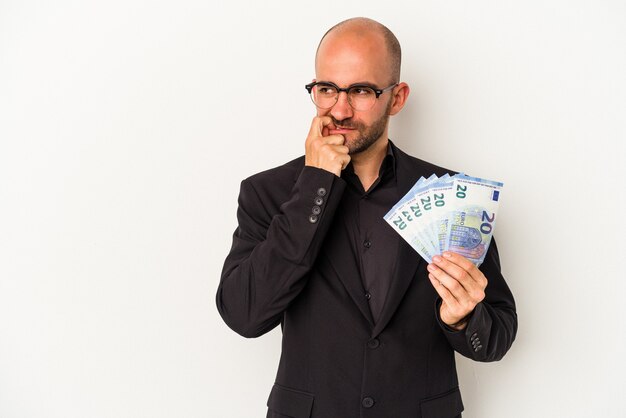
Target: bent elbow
<point x="242" y="321"/>
<point x="503" y="340"/>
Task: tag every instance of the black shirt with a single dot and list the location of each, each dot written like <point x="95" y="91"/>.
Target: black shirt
<point x="373" y="241"/>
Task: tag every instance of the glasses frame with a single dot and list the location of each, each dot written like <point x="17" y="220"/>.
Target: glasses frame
<point x="377" y="91"/>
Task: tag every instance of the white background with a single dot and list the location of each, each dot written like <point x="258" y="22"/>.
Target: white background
<point x="126" y="127"/>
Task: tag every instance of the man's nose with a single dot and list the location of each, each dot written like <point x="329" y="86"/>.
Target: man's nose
<point x="342" y="109"/>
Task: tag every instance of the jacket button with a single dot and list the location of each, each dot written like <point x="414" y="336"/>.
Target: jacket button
<point x="368" y="296"/>
<point x="321" y="192"/>
<point x="318" y="201"/>
<point x="367" y="244"/>
<point x="373" y="343"/>
<point x="474" y="336"/>
<point x="312" y="219"/>
<point x="316" y="210"/>
<point x="367" y="402"/>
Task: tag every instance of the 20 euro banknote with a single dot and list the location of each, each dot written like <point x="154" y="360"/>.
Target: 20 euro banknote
<point x="455" y="213"/>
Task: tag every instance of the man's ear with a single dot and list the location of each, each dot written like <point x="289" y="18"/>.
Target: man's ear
<point x="400" y="95"/>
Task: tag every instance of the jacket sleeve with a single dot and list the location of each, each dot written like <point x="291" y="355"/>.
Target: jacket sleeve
<point x="273" y="250"/>
<point x="492" y="327"/>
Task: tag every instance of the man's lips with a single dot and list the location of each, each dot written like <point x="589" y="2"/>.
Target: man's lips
<point x="340" y="130"/>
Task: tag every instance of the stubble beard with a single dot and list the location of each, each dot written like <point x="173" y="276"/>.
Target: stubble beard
<point x="367" y="135"/>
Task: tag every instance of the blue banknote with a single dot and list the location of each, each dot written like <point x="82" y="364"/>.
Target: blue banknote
<point x="449" y="213"/>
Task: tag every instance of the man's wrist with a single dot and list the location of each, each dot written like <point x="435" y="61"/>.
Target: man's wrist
<point x="456" y="326"/>
<point x="461" y="323"/>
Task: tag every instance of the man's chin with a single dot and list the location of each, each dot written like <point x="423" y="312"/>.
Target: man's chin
<point x="358" y="145"/>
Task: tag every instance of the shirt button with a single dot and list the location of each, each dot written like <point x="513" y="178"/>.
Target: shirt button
<point x="313" y="219"/>
<point x="373" y="343"/>
<point x="321" y="192"/>
<point x="368" y="296"/>
<point x="367" y="244"/>
<point x="367" y="402"/>
<point x="316" y="210"/>
<point x="318" y="201"/>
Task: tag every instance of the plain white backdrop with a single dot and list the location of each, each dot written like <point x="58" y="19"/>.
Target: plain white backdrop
<point x="126" y="127"/>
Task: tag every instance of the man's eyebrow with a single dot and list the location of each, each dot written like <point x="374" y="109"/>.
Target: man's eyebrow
<point x="359" y="83"/>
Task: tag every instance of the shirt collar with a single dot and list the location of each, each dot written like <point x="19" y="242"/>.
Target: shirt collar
<point x="389" y="162"/>
<point x="386" y="172"/>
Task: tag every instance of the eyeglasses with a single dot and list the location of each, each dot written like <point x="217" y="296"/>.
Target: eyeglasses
<point x="360" y="97"/>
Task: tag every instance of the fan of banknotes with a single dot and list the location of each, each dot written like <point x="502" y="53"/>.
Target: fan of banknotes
<point x="450" y="213"/>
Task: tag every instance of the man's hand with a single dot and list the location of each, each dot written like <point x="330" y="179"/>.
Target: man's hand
<point x="459" y="283"/>
<point x="325" y="151"/>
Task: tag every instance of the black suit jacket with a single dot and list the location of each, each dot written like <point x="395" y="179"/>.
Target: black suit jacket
<point x="288" y="266"/>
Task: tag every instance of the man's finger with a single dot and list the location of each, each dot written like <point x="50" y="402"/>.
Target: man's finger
<point x="453" y="285"/>
<point x="467" y="290"/>
<point x="462" y="262"/>
<point x="338" y="152"/>
<point x="334" y="140"/>
<point x="318" y="125"/>
<point x="443" y="291"/>
<point x="456" y="272"/>
<point x="461" y="269"/>
<point x="345" y="160"/>
<point x="450" y="284"/>
<point x="468" y="266"/>
<point x="342" y="149"/>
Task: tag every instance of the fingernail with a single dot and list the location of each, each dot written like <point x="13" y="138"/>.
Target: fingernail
<point x="447" y="254"/>
<point x="436" y="259"/>
<point x="431" y="267"/>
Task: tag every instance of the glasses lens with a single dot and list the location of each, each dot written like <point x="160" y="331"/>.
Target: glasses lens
<point x="361" y="97"/>
<point x="324" y="95"/>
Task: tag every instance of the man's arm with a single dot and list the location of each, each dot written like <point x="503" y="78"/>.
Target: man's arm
<point x="274" y="250"/>
<point x="271" y="255"/>
<point x="476" y="309"/>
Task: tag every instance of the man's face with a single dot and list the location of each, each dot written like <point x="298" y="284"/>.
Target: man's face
<point x="346" y="59"/>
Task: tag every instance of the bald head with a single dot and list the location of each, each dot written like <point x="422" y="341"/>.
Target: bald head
<point x="362" y="27"/>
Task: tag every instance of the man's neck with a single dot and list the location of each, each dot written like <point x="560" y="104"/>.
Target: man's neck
<point x="367" y="164"/>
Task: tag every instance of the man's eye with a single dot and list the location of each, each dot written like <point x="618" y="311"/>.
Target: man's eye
<point x="361" y="91"/>
<point x="329" y="90"/>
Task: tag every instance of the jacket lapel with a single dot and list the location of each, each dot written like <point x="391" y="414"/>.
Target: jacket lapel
<point x="339" y="252"/>
<point x="408" y="259"/>
<point x="404" y="272"/>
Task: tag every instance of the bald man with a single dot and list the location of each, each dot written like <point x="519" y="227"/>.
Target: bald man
<point x="369" y="327"/>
